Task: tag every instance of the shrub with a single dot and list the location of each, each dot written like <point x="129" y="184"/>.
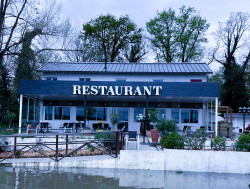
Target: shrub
<point x="107" y="136"/>
<point x="165" y="126"/>
<point x="243" y="143"/>
<point x="195" y="140"/>
<point x="172" y="141"/>
<point x="218" y="143"/>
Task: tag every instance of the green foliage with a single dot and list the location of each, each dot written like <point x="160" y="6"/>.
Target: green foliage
<point x="135" y="51"/>
<point x="195" y="140"/>
<point x="114" y="117"/>
<point x="166" y="126"/>
<point x="178" y="38"/>
<point x="172" y="141"/>
<point x="153" y="114"/>
<point x="91" y="148"/>
<point x="107" y="36"/>
<point x="109" y="138"/>
<point x="243" y="143"/>
<point x="10" y="116"/>
<point x="218" y="143"/>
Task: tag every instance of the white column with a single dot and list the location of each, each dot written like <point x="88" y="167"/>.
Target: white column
<point x="207" y="117"/>
<point x="20" y="113"/>
<point x="211" y="118"/>
<point x="28" y="109"/>
<point x="216" y="117"/>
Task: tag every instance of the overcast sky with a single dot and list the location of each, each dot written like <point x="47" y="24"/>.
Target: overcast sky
<point x="141" y="11"/>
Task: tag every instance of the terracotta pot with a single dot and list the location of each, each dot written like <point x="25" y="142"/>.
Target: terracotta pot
<point x="155" y="135"/>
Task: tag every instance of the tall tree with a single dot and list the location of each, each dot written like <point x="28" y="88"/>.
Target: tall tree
<point x="135" y="50"/>
<point x="26" y="58"/>
<point x="107" y="36"/>
<point x="178" y="38"/>
<point x="233" y="53"/>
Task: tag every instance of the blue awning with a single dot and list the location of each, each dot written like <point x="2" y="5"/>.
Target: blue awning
<point x="168" y="89"/>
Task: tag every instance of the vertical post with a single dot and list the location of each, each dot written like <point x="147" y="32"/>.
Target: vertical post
<point x="85" y="107"/>
<point x="211" y="114"/>
<point x="207" y="117"/>
<point x="227" y="116"/>
<point x="34" y="113"/>
<point x="216" y="117"/>
<point x="117" y="144"/>
<point x="67" y="141"/>
<point x="244" y="120"/>
<point x="56" y="157"/>
<point x="15" y="147"/>
<point x="28" y="109"/>
<point x="20" y="113"/>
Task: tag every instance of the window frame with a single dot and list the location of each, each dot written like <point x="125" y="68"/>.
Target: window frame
<point x="189" y="116"/>
<point x="54" y="107"/>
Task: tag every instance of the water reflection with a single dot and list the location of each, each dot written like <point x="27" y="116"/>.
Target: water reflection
<point x="71" y="178"/>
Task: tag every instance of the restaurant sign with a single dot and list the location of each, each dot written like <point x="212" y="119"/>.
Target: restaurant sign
<point x="116" y="90"/>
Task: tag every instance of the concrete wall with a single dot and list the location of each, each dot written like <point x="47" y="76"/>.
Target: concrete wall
<point x="187" y="160"/>
<point x="127" y="77"/>
<point x="168" y="160"/>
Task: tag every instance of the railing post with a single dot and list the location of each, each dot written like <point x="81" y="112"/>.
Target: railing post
<point x="56" y="158"/>
<point x="117" y="144"/>
<point x="15" y="147"/>
<point x="67" y="141"/>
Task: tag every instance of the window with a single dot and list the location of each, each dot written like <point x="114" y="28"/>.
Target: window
<point x="101" y="114"/>
<point x="123" y="114"/>
<point x="48" y="112"/>
<point x="84" y="79"/>
<point x="158" y="80"/>
<point x="51" y="78"/>
<point x="189" y="116"/>
<point x="196" y="80"/>
<point x="161" y="113"/>
<point x="80" y="113"/>
<point x="62" y="113"/>
<point x="138" y="114"/>
<point x="175" y="115"/>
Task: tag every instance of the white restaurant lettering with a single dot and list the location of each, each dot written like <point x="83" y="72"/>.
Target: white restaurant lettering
<point x="116" y="90"/>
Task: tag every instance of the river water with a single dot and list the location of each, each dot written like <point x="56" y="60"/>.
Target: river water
<point x="70" y="178"/>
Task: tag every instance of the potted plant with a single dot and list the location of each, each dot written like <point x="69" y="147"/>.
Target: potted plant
<point x="153" y="116"/>
<point x="114" y="118"/>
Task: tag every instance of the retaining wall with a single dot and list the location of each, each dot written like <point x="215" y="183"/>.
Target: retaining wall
<point x="170" y="160"/>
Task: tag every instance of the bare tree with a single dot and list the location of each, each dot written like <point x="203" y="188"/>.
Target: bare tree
<point x="233" y="53"/>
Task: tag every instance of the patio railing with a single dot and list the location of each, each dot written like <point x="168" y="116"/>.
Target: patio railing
<point x="61" y="145"/>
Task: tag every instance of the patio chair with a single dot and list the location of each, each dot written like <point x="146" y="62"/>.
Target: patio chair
<point x="69" y="128"/>
<point x="63" y="127"/>
<point x="132" y="137"/>
<point x="43" y="127"/>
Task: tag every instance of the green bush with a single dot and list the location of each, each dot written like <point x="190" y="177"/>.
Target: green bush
<point x="110" y="139"/>
<point x="218" y="143"/>
<point x="195" y="140"/>
<point x="172" y="141"/>
<point x="165" y="126"/>
<point x="243" y="143"/>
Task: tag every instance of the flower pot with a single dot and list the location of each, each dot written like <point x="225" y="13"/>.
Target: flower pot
<point x="155" y="135"/>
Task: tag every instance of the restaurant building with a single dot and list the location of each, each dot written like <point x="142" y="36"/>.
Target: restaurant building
<point x="179" y="90"/>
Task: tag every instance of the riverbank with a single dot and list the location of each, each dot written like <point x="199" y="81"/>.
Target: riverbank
<point x="167" y="160"/>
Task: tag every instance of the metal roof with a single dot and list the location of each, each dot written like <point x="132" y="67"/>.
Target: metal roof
<point x="126" y="67"/>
